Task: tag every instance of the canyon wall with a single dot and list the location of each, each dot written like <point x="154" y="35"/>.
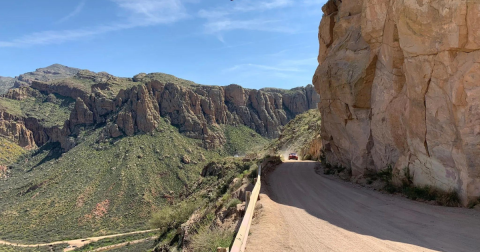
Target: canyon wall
<point x="131" y="106"/>
<point x="399" y="85"/>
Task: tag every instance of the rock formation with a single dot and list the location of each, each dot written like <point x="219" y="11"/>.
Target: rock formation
<point x="130" y="106"/>
<point x="399" y="85"/>
<point x="13" y="128"/>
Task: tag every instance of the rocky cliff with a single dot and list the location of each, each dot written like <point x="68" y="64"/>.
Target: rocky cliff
<point x="128" y="106"/>
<point x="399" y="85"/>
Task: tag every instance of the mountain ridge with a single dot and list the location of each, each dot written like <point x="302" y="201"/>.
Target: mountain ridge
<point x="134" y="105"/>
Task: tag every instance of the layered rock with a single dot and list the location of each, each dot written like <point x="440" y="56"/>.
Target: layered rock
<point x="399" y="85"/>
<point x="13" y="128"/>
<point x="194" y="110"/>
<point x="130" y="106"/>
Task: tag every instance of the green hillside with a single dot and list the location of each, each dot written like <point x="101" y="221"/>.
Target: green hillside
<point x="301" y="135"/>
<point x="50" y="110"/>
<point x="9" y="152"/>
<point x="103" y="187"/>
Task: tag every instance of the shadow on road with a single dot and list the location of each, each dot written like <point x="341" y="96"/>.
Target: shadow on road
<point x="371" y="213"/>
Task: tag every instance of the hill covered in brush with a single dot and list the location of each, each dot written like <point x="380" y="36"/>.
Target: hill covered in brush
<point x="87" y="154"/>
<point x="301" y="135"/>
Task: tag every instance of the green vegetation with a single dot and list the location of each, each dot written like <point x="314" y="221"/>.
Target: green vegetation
<point x="96" y="188"/>
<point x="54" y="248"/>
<point x="171" y="217"/>
<point x="241" y="139"/>
<point x="167" y="78"/>
<point x="5" y="84"/>
<point x="104" y="187"/>
<point x="50" y="110"/>
<point x="9" y="152"/>
<point x="137" y="247"/>
<point x="117" y="240"/>
<point x="209" y="239"/>
<point x="233" y="203"/>
<point x="212" y="194"/>
<point x="299" y="135"/>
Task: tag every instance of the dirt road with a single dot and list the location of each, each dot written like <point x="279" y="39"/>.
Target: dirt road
<point x="74" y="243"/>
<point x="305" y="211"/>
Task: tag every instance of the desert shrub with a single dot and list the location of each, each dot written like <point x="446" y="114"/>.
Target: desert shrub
<point x="233" y="203"/>
<point x="209" y="239"/>
<point x="173" y="216"/>
<point x="226" y="197"/>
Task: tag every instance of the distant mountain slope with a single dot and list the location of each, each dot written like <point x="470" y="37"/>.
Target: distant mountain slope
<point x="5" y="84"/>
<point x="104" y="186"/>
<point x="50" y="73"/>
<point x="134" y="105"/>
<point x="301" y="135"/>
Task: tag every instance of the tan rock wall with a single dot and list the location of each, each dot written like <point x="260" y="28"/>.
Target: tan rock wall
<point x="13" y="128"/>
<point x="399" y="84"/>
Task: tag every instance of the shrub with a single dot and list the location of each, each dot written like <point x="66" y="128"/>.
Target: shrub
<point x="233" y="203"/>
<point x="173" y="216"/>
<point x="210" y="239"/>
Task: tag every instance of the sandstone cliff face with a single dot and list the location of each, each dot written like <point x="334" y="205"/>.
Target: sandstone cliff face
<point x="13" y="128"/>
<point x="399" y="84"/>
<point x="194" y="110"/>
<point x="131" y="106"/>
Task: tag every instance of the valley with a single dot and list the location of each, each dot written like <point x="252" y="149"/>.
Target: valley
<point x="92" y="154"/>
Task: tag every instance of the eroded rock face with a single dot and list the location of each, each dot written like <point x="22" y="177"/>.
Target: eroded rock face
<point x="130" y="106"/>
<point x="399" y="84"/>
<point x="13" y="128"/>
<point x="196" y="111"/>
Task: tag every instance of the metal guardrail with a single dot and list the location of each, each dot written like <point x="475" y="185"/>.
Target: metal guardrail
<point x="240" y="241"/>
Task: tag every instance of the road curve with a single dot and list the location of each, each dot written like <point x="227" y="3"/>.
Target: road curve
<point x="305" y="211"/>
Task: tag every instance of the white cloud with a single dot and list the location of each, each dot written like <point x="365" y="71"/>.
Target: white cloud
<point x="223" y="25"/>
<point x="138" y="13"/>
<point x="261" y="5"/>
<point x="314" y="2"/>
<point x="148" y="12"/>
<point x="74" y="13"/>
<point x="283" y="66"/>
<point x="263" y="67"/>
<point x="220" y="19"/>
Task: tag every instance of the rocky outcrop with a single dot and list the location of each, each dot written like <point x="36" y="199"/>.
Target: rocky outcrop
<point x="399" y="85"/>
<point x="13" y="128"/>
<point x="194" y="110"/>
<point x="130" y="106"/>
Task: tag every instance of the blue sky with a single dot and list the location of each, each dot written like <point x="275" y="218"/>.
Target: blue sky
<point x="254" y="43"/>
